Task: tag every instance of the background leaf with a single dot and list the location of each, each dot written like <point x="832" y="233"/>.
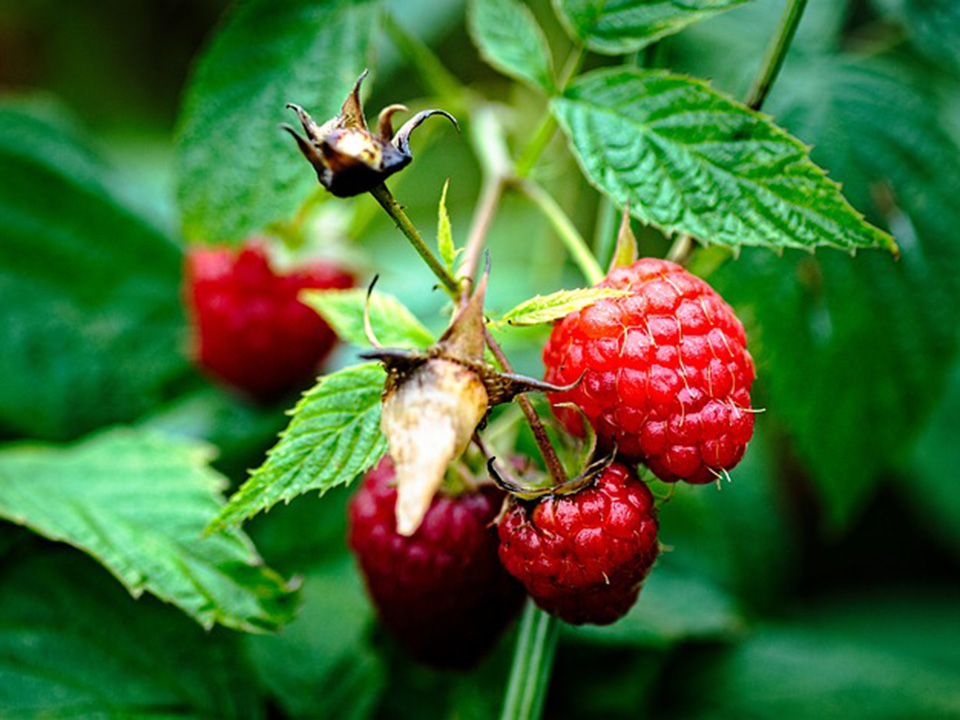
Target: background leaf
<point x="616" y="27"/>
<point x="689" y="159"/>
<point x="334" y="436"/>
<point x="933" y="27"/>
<point x="237" y="172"/>
<point x="91" y="323"/>
<point x="73" y="644"/>
<point x="392" y="323"/>
<point x="511" y="41"/>
<point x="138" y="503"/>
<point x="879" y="334"/>
<point x="547" y="308"/>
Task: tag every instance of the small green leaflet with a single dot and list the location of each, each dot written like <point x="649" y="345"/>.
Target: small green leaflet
<point x="689" y="159"/>
<point x="510" y="40"/>
<point x="334" y="436"/>
<point x="393" y="324"/>
<point x="138" y="502"/>
<point x="615" y="27"/>
<point x="448" y="251"/>
<point x="547" y="308"/>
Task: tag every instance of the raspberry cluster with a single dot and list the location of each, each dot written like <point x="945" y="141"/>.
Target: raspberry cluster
<point x="442" y="591"/>
<point x="249" y="328"/>
<point x="666" y="374"/>
<point x="582" y="557"/>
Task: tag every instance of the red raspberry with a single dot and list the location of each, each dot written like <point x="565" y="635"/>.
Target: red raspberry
<point x="666" y="372"/>
<point x="249" y="329"/>
<point x="583" y="556"/>
<point x="442" y="592"/>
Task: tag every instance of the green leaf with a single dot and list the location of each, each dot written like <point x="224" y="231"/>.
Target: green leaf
<point x="74" y="644"/>
<point x="91" y="322"/>
<point x="547" y="308"/>
<point x="854" y="352"/>
<point x="333" y="437"/>
<point x="448" y="251"/>
<point x="858" y="674"/>
<point x="511" y="41"/>
<point x="138" y="503"/>
<point x="322" y="665"/>
<point x="615" y="27"/>
<point x="393" y="324"/>
<point x="691" y="160"/>
<point x="237" y="172"/>
<point x="933" y="27"/>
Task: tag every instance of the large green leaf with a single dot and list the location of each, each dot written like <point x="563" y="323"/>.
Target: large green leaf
<point x="138" y="502"/>
<point x="838" y="663"/>
<point x="323" y="665"/>
<point x="689" y="159"/>
<point x="73" y="644"/>
<point x="615" y="27"/>
<point x="853" y="352"/>
<point x="237" y="171"/>
<point x="510" y="39"/>
<point x="89" y="293"/>
<point x="333" y="437"/>
<point x="933" y="27"/>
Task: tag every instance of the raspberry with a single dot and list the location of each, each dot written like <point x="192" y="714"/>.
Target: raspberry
<point x="249" y="329"/>
<point x="583" y="556"/>
<point x="442" y="591"/>
<point x="666" y="372"/>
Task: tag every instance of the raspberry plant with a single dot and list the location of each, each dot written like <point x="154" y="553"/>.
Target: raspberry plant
<point x="730" y="374"/>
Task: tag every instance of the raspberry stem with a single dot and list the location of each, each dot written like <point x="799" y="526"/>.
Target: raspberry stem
<point x="776" y="52"/>
<point x="532" y="665"/>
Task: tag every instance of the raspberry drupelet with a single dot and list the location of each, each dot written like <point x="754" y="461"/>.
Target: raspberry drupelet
<point x="666" y="374"/>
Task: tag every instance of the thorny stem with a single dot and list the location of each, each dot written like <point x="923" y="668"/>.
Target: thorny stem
<point x="565" y="228"/>
<point x="549" y="455"/>
<point x="393" y="209"/>
<point x="532" y="665"/>
<point x="776" y="53"/>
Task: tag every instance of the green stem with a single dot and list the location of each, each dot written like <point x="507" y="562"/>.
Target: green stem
<point x="776" y="53"/>
<point x="534" y="149"/>
<point x="565" y="228"/>
<point x="532" y="664"/>
<point x="393" y="209"/>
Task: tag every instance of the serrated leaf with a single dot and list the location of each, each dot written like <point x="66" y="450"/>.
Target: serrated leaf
<point x="511" y="41"/>
<point x="334" y="436"/>
<point x="689" y="159"/>
<point x="547" y="308"/>
<point x="615" y="27"/>
<point x="877" y="336"/>
<point x="393" y="324"/>
<point x="74" y="644"/>
<point x="138" y="503"/>
<point x="91" y="322"/>
<point x="448" y="251"/>
<point x="237" y="172"/>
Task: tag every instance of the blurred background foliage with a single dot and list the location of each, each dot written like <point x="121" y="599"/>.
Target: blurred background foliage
<point x="823" y="581"/>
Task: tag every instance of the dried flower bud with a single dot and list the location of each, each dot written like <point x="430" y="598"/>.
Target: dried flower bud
<point x="348" y="158"/>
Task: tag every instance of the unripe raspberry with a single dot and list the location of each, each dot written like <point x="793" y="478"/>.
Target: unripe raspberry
<point x="582" y="557"/>
<point x="666" y="372"/>
<point x="442" y="591"/>
<point x="249" y="329"/>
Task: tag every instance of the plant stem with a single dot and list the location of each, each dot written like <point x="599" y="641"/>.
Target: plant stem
<point x="547" y="452"/>
<point x="680" y="250"/>
<point x="565" y="228"/>
<point x="776" y="52"/>
<point x="393" y="209"/>
<point x="532" y="664"/>
<point x="482" y="220"/>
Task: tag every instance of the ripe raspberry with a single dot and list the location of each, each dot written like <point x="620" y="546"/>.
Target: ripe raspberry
<point x="442" y="591"/>
<point x="249" y="329"/>
<point x="583" y="556"/>
<point x="666" y="372"/>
